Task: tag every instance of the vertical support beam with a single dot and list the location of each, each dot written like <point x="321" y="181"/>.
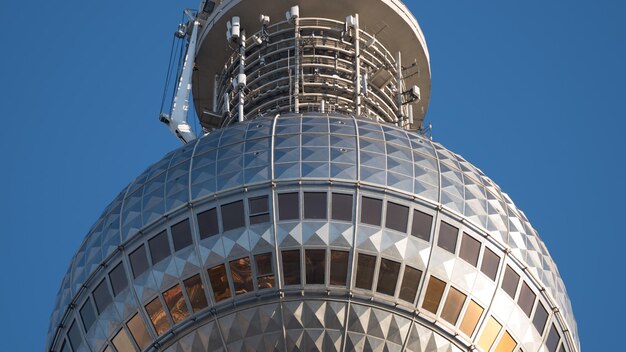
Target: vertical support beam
<point x="242" y="74"/>
<point x="215" y="90"/>
<point x="399" y="115"/>
<point x="296" y="59"/>
<point x="357" y="66"/>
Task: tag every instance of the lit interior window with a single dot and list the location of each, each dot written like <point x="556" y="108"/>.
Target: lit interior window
<point x="447" y="237"/>
<point x="158" y="316"/>
<point x="365" y="271"/>
<point x="159" y="247"/>
<point x="526" y="299"/>
<point x="470" y="249"/>
<point x="175" y="303"/>
<point x="388" y="276"/>
<point x="339" y="267"/>
<point x="265" y="274"/>
<point x="233" y="215"/>
<point x="453" y="305"/>
<point x="315" y="265"/>
<point x="371" y="210"/>
<point x="490" y="264"/>
<point x="510" y="281"/>
<point x="315" y="205"/>
<point x="506" y="344"/>
<point x="291" y="267"/>
<point x="288" y="206"/>
<point x="195" y="292"/>
<point x="259" y="210"/>
<point x="540" y="318"/>
<point x="207" y="223"/>
<point x="410" y="283"/>
<point x="553" y="339"/>
<point x="489" y="334"/>
<point x="73" y="335"/>
<point x="122" y="342"/>
<point x="434" y="292"/>
<point x="139" y="332"/>
<point x="118" y="279"/>
<point x="219" y="282"/>
<point x="181" y="235"/>
<point x="421" y="224"/>
<point x="242" y="275"/>
<point x="397" y="217"/>
<point x="342" y="207"/>
<point x="138" y="261"/>
<point x="101" y="296"/>
<point x="88" y="315"/>
<point x="471" y="317"/>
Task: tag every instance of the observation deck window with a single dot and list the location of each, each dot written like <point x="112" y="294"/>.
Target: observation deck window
<point x="490" y="264"/>
<point x="207" y="223"/>
<point x="175" y="302"/>
<point x="553" y="339"/>
<point x="315" y="264"/>
<point x="342" y="207"/>
<point x="181" y="235"/>
<point x="365" y="271"/>
<point x="242" y="275"/>
<point x="388" y="274"/>
<point x="122" y="342"/>
<point x="232" y="215"/>
<point x="470" y="249"/>
<point x="73" y="335"/>
<point x="453" y="305"/>
<point x="447" y="237"/>
<point x="489" y="334"/>
<point x="433" y="295"/>
<point x="291" y="267"/>
<point x="397" y="217"/>
<point x="139" y="332"/>
<point x="410" y="283"/>
<point x="159" y="247"/>
<point x="506" y="344"/>
<point x="371" y="210"/>
<point x="219" y="282"/>
<point x="510" y="281"/>
<point x="470" y="318"/>
<point x="157" y="315"/>
<point x="339" y="267"/>
<point x="259" y="210"/>
<point x="119" y="282"/>
<point x="540" y="318"/>
<point x="421" y="225"/>
<point x="101" y="296"/>
<point x="88" y="314"/>
<point x="288" y="206"/>
<point x="265" y="274"/>
<point x="315" y="205"/>
<point x="138" y="261"/>
<point x="195" y="292"/>
<point x="526" y="299"/>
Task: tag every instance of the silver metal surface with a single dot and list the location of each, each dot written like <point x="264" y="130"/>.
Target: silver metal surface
<point x="315" y="153"/>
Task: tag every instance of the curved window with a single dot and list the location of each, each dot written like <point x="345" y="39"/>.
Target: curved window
<point x="365" y="271"/>
<point x="101" y="296"/>
<point x="433" y="295"/>
<point x="315" y="264"/>
<point x="470" y="249"/>
<point x="181" y="235"/>
<point x="158" y="316"/>
<point x="470" y="318"/>
<point x="159" y="247"/>
<point x="421" y="224"/>
<point x="510" y="281"/>
<point x="139" y="332"/>
<point x="122" y="342"/>
<point x="371" y="210"/>
<point x="207" y="223"/>
<point x="118" y="279"/>
<point x="265" y="274"/>
<point x="388" y="276"/>
<point x="339" y="267"/>
<point x="73" y="334"/>
<point x="138" y="261"/>
<point x="288" y="206"/>
<point x="452" y="307"/>
<point x="315" y="205"/>
<point x="242" y="275"/>
<point x="232" y="215"/>
<point x="490" y="264"/>
<point x="397" y="217"/>
<point x="540" y="318"/>
<point x="291" y="267"/>
<point x="195" y="292"/>
<point x="88" y="315"/>
<point x="259" y="210"/>
<point x="175" y="303"/>
<point x="526" y="299"/>
<point x="342" y="207"/>
<point x="410" y="283"/>
<point x="219" y="282"/>
<point x="489" y="334"/>
<point x="447" y="237"/>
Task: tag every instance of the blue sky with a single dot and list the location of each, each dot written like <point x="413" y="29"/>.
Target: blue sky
<point x="531" y="92"/>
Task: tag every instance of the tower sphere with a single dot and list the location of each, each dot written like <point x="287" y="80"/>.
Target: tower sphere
<point x="303" y="221"/>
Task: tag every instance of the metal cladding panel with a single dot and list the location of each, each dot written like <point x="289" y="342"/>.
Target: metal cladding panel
<point x="312" y="153"/>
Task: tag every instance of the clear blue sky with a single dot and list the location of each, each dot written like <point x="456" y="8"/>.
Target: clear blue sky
<point x="532" y="92"/>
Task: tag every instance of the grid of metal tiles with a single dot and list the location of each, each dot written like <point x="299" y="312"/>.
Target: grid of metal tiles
<point x="316" y="148"/>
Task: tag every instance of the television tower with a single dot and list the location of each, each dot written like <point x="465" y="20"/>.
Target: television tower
<point x="310" y="211"/>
